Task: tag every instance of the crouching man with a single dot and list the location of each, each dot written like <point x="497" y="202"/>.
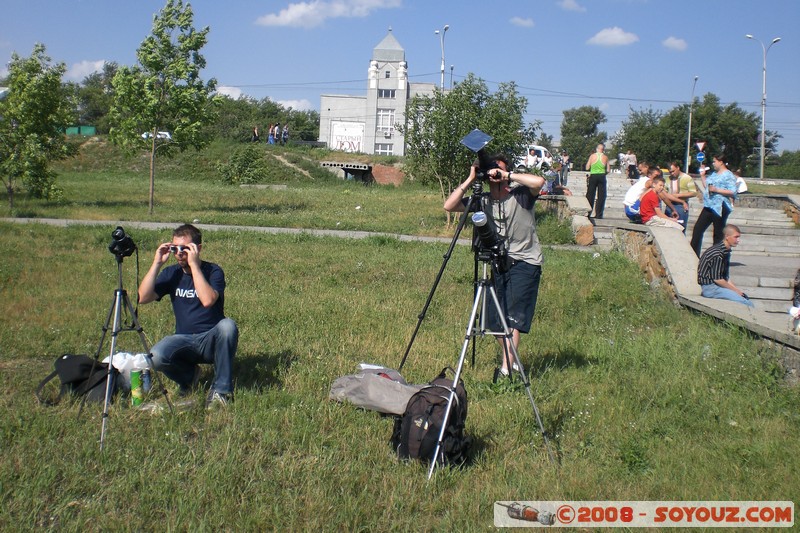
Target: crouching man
<point x="202" y="333"/>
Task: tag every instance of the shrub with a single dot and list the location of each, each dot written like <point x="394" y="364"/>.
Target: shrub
<point x="245" y="165"/>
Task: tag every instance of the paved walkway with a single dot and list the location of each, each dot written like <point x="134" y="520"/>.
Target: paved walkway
<point x="763" y="265"/>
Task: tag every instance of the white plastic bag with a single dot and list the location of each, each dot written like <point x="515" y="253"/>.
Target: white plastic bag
<point x="125" y="363"/>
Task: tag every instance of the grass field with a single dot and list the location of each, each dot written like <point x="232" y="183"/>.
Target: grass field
<point x="644" y="400"/>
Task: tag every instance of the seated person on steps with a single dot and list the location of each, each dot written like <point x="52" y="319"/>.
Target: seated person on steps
<point x="650" y="208"/>
<point x="713" y="272"/>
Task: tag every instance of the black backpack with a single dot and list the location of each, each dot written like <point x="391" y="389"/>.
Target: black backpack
<point x="416" y="433"/>
<point x="79" y="375"/>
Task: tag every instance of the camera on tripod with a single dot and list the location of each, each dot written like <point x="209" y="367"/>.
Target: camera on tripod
<point x="121" y="244"/>
<point x="487" y="242"/>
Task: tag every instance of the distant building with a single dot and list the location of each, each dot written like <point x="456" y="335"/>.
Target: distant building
<point x="366" y="124"/>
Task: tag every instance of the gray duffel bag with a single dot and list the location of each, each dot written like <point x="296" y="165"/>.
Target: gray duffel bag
<point x="374" y="388"/>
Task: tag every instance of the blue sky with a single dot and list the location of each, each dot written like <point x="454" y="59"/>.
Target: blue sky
<point x="612" y="54"/>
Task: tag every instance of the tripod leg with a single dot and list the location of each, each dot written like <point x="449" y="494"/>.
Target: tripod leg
<point x="99" y="347"/>
<point x="464" y="347"/>
<point x="109" y="378"/>
<point x="509" y="343"/>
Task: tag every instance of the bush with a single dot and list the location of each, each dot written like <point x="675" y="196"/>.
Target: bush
<point x="246" y="165"/>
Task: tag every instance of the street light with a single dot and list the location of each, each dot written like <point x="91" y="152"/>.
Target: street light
<point x="765" y="49"/>
<point x="689" y="134"/>
<point x="441" y="41"/>
<point x="451" y="76"/>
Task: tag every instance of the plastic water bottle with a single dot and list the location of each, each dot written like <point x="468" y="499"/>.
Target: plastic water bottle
<point x="146" y="380"/>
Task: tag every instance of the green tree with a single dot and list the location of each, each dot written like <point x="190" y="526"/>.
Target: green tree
<point x="436" y="124"/>
<point x="33" y="116"/>
<point x="164" y="92"/>
<point x="641" y="133"/>
<point x="579" y="132"/>
<point x="95" y="96"/>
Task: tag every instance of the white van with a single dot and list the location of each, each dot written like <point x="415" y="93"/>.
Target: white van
<point x="536" y="156"/>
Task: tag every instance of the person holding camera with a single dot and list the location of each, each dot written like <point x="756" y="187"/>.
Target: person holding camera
<point x="510" y="204"/>
<point x="203" y="335"/>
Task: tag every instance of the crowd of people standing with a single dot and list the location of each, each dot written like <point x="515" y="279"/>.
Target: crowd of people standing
<point x="276" y="135"/>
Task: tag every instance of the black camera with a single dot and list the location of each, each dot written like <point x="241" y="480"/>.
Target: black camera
<point x="488" y="243"/>
<point x="121" y="243"/>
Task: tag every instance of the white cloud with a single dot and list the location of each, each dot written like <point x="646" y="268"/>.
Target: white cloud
<point x="231" y="92"/>
<point x="673" y="43"/>
<point x="316" y="12"/>
<point x="521" y="22"/>
<point x="571" y="5"/>
<point x="615" y="36"/>
<point x="297" y="105"/>
<point x="78" y="71"/>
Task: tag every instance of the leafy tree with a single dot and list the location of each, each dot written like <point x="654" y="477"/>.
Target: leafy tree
<point x="95" y="96"/>
<point x="164" y="92"/>
<point x="237" y="117"/>
<point x="545" y="140"/>
<point x="642" y="135"/>
<point x="660" y="139"/>
<point x="33" y="116"/>
<point x="436" y="124"/>
<point x="579" y="133"/>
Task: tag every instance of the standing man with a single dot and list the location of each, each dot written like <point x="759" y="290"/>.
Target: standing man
<point x="565" y="167"/>
<point x="510" y="204"/>
<point x="713" y="272"/>
<point x="202" y="333"/>
<point x="597" y="165"/>
<point x="682" y="187"/>
<point x="631" y="167"/>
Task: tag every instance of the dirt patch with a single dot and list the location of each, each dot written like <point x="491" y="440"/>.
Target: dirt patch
<point x="387" y="175"/>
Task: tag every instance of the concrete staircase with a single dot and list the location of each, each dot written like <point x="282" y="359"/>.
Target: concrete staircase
<point x="763" y="265"/>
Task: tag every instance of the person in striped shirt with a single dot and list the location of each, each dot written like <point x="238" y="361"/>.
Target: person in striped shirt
<point x="713" y="272"/>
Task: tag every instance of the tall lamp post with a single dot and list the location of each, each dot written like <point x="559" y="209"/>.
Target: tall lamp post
<point x="689" y="134"/>
<point x="441" y="41"/>
<point x="764" y="49"/>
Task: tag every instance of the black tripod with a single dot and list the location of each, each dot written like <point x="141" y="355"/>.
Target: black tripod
<point x="122" y="304"/>
<point x="483" y="286"/>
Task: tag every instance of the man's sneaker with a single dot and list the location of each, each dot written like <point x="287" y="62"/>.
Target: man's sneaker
<point x="186" y="390"/>
<point x="218" y="399"/>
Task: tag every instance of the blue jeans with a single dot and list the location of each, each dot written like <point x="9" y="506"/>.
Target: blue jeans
<point x="177" y="356"/>
<point x="564" y="175"/>
<point x="683" y="214"/>
<point x="715" y="291"/>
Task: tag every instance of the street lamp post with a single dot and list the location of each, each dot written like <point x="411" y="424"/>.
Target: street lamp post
<point x="441" y="41"/>
<point x="689" y="134"/>
<point x="764" y="49"/>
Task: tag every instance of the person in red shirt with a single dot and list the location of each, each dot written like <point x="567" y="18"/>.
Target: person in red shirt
<point x="650" y="205"/>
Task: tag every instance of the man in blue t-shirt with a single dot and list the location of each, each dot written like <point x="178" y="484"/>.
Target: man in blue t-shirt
<point x="202" y="333"/>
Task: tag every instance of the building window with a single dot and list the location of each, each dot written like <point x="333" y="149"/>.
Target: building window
<point x="385" y="122"/>
<point x="383" y="149"/>
<point x="388" y="75"/>
<point x="387" y="93"/>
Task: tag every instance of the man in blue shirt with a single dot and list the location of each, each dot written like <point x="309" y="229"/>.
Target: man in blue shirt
<point x="202" y="333"/>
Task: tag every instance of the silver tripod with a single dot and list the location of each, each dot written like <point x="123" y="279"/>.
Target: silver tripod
<point x="486" y="286"/>
<point x="122" y="304"/>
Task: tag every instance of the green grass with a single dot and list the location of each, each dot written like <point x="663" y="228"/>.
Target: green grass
<point x="644" y="400"/>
